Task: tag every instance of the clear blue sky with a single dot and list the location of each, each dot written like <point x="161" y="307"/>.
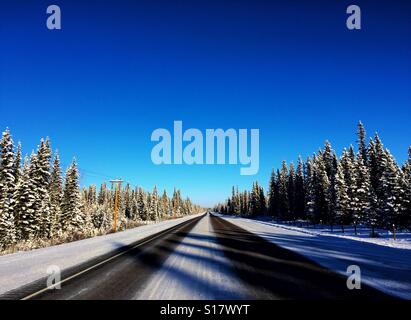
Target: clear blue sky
<point x="120" y="69"/>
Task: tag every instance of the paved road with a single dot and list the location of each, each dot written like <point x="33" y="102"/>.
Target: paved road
<point x="205" y="258"/>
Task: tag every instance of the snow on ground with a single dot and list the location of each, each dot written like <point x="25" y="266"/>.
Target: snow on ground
<point x="385" y="237"/>
<point x="21" y="268"/>
<point x="386" y="268"/>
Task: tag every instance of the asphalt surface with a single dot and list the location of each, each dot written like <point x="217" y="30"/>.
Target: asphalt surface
<point x="204" y="258"/>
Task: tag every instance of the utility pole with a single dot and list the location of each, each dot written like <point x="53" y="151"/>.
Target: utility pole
<point x="117" y="183"/>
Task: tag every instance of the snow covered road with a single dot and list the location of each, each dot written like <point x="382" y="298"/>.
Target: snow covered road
<point x="206" y="258"/>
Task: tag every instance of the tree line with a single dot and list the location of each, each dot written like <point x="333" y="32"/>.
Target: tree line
<point x="365" y="186"/>
<point x="37" y="202"/>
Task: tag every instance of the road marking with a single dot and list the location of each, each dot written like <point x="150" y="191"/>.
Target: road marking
<point x="108" y="259"/>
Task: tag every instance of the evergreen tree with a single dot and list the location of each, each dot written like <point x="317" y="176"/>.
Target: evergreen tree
<point x="309" y="187"/>
<point x="134" y="206"/>
<point x="299" y="190"/>
<point x="25" y="201"/>
<point x="92" y="195"/>
<point x="246" y="203"/>
<point x="272" y="195"/>
<point x="7" y="165"/>
<point x="153" y="211"/>
<point x="21" y="199"/>
<point x="372" y="218"/>
<point x="291" y="191"/>
<point x="188" y="206"/>
<point x="327" y="157"/>
<point x="321" y="187"/>
<point x="391" y="193"/>
<point x="351" y="153"/>
<point x="228" y="206"/>
<point x="283" y="204"/>
<point x="237" y="203"/>
<point x="7" y="185"/>
<point x="72" y="217"/>
<point x="42" y="181"/>
<point x="165" y="210"/>
<point x="262" y="202"/>
<point x="176" y="203"/>
<point x="348" y="167"/>
<point x="332" y="197"/>
<point x="255" y="200"/>
<point x="102" y="194"/>
<point x="142" y="205"/>
<point x="372" y="162"/>
<point x="376" y="163"/>
<point x="361" y="200"/>
<point x="127" y="202"/>
<point x="231" y="208"/>
<point x="35" y="204"/>
<point x="368" y="187"/>
<point x="7" y="225"/>
<point x="56" y="194"/>
<point x="362" y="147"/>
<point x="341" y="206"/>
<point x="17" y="164"/>
<point x="407" y="187"/>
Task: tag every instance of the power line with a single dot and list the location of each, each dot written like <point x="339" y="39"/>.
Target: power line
<point x="86" y="172"/>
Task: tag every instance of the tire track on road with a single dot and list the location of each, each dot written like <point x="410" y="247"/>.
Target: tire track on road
<point x="272" y="271"/>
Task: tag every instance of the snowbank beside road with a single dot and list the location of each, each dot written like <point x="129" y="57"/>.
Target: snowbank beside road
<point x="21" y="268"/>
<point x="363" y="234"/>
<point x="385" y="268"/>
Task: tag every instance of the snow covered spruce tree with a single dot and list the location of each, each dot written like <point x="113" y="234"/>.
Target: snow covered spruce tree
<point x="272" y="195"/>
<point x="342" y="201"/>
<point x="349" y="173"/>
<point x="366" y="187"/>
<point x="321" y="186"/>
<point x="361" y="140"/>
<point x="35" y="204"/>
<point x="153" y="206"/>
<point x="7" y="185"/>
<point x="56" y="196"/>
<point x="42" y="181"/>
<point x="309" y="198"/>
<point x="291" y="191"/>
<point x="72" y="217"/>
<point x="127" y="200"/>
<point x="299" y="190"/>
<point x="164" y="205"/>
<point x="407" y="187"/>
<point x="24" y="198"/>
<point x="332" y="197"/>
<point x="391" y="192"/>
<point x="17" y="164"/>
<point x="236" y="201"/>
<point x="283" y="203"/>
<point x="176" y="203"/>
<point x="361" y="200"/>
<point x="25" y="201"/>
<point x="142" y="205"/>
